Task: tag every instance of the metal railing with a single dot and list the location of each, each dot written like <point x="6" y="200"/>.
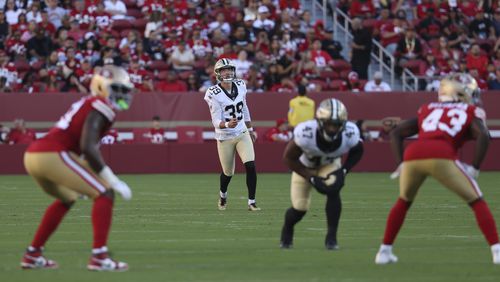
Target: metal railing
<point x="317" y="5"/>
<point x="381" y="55"/>
<point x="410" y="80"/>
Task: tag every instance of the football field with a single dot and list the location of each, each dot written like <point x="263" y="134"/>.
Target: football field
<point x="173" y="231"/>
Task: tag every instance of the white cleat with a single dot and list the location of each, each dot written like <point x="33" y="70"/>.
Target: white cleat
<point x="495" y="251"/>
<point x="385" y="257"/>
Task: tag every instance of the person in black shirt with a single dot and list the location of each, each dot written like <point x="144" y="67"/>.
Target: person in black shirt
<point x="361" y="48"/>
<point x="39" y="46"/>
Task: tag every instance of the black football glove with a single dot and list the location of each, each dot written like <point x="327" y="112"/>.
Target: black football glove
<point x="319" y="184"/>
<point x="335" y="188"/>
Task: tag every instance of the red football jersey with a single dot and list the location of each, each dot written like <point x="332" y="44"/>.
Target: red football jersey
<point x="66" y="134"/>
<point x="443" y="129"/>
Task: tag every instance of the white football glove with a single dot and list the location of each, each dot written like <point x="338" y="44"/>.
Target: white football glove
<point x="115" y="183"/>
<point x="470" y="170"/>
<point x="396" y="173"/>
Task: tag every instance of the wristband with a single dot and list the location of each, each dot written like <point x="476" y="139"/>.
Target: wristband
<point x="108" y="175"/>
<point x="250" y="129"/>
<point x="226" y="124"/>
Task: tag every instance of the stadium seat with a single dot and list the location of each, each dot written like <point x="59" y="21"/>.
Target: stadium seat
<point x="120" y="25"/>
<point x="159" y="66"/>
<point x="139" y="135"/>
<point x="185" y="74"/>
<point x="341" y="65"/>
<point x="136" y="13"/>
<point x="131" y="4"/>
<point x="22" y="65"/>
<point x="162" y="75"/>
<point x="327" y="74"/>
<point x="140" y="24"/>
<point x="336" y="85"/>
<point x="189" y="134"/>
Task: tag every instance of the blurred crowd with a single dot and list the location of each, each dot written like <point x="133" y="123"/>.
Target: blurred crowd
<point x="435" y="37"/>
<point x="55" y="45"/>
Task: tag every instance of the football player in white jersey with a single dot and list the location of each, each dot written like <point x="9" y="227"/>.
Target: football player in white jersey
<point x="314" y="156"/>
<point x="233" y="129"/>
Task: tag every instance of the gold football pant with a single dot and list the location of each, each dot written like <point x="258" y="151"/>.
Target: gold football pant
<point x="64" y="175"/>
<point x="450" y="173"/>
<point x="226" y="148"/>
<point x="300" y="188"/>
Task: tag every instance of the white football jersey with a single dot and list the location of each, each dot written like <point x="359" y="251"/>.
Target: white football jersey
<point x="224" y="106"/>
<point x="312" y="156"/>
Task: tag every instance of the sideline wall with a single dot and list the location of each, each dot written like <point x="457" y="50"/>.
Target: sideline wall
<point x="184" y="158"/>
<point x="202" y="158"/>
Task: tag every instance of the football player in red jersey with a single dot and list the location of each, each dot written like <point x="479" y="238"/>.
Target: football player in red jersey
<point x="55" y="163"/>
<point x="442" y="129"/>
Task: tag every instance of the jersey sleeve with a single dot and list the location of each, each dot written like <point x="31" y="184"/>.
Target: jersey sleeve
<point x="245" y="110"/>
<point x="479" y="113"/>
<point x="301" y="135"/>
<point x="104" y="109"/>
<point x="352" y="134"/>
<point x="215" y="108"/>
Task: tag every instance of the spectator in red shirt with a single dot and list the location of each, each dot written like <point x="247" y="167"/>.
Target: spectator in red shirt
<point x="422" y="9"/>
<point x="156" y="133"/>
<point x="391" y="32"/>
<point x="171" y="84"/>
<point x="20" y="134"/>
<point x="321" y="58"/>
<point x="140" y="77"/>
<point x="280" y="133"/>
<point x="362" y="8"/>
<point x="476" y="60"/>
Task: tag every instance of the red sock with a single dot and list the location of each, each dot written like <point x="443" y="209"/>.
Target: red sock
<point x="485" y="221"/>
<point x="395" y="220"/>
<point x="102" y="212"/>
<point x="51" y="219"/>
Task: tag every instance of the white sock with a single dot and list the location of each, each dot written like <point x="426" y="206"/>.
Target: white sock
<point x="495" y="246"/>
<point x="251" y="201"/>
<point x="100" y="250"/>
<point x="386" y="248"/>
<point x="223" y="195"/>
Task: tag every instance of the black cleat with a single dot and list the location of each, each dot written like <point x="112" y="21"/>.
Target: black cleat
<point x="222" y="204"/>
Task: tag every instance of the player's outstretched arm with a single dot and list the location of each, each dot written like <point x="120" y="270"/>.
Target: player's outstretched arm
<point x="405" y="129"/>
<point x="90" y="140"/>
<point x="480" y="132"/>
<point x="89" y="145"/>
<point x="291" y="159"/>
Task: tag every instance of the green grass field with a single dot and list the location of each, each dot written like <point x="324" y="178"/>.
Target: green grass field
<point x="172" y="231"/>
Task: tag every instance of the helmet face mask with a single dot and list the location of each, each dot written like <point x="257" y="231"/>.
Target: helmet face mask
<point x="459" y="87"/>
<point x="225" y="70"/>
<point x="332" y="117"/>
<point x="113" y="83"/>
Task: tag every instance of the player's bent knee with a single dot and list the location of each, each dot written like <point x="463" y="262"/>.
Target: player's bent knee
<point x="110" y="194"/>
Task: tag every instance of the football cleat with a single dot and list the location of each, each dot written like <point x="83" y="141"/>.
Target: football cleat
<point x="285" y="245"/>
<point x="331" y="246"/>
<point x="286" y="241"/>
<point x="495" y="251"/>
<point x="102" y="262"/>
<point x="222" y="204"/>
<point x="35" y="260"/>
<point x="253" y="207"/>
<point x="385" y="257"/>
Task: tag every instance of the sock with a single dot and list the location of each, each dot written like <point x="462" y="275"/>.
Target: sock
<point x="333" y="209"/>
<point x="251" y="179"/>
<point x="102" y="212"/>
<point x="485" y="221"/>
<point x="224" y="182"/>
<point x="292" y="216"/>
<point x="251" y="201"/>
<point x="51" y="219"/>
<point x="395" y="220"/>
<point x="223" y="195"/>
